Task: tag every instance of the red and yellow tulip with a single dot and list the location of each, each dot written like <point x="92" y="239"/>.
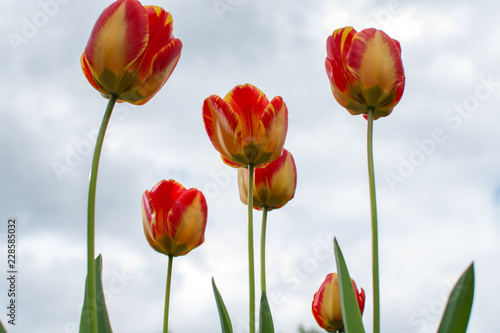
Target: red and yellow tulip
<point x="174" y="218"/>
<point x="131" y="51"/>
<point x="245" y="127"/>
<point x="365" y="70"/>
<point x="326" y="304"/>
<point x="274" y="184"/>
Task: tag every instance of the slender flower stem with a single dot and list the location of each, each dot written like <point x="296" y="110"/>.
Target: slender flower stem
<point x="263" y="250"/>
<point x="251" y="271"/>
<point x="373" y="205"/>
<point x="167" y="293"/>
<point x="91" y="215"/>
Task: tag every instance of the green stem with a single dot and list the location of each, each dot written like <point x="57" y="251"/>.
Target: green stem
<point x="373" y="206"/>
<point x="91" y="214"/>
<point x="251" y="273"/>
<point x="263" y="250"/>
<point x="167" y="293"/>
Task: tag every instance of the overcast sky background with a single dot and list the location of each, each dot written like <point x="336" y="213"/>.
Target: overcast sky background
<point x="437" y="165"/>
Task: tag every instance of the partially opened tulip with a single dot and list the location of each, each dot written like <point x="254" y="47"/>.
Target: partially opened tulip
<point x="129" y="56"/>
<point x="245" y="127"/>
<point x="174" y="218"/>
<point x="131" y="51"/>
<point x="326" y="306"/>
<point x="274" y="184"/>
<point x="247" y="130"/>
<point x="365" y="70"/>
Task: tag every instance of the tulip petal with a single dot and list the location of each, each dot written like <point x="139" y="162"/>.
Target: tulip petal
<point x="222" y="125"/>
<point x="375" y="60"/>
<point x="160" y="69"/>
<point x="337" y="47"/>
<point x="160" y="33"/>
<point x="283" y="182"/>
<point x="274" y="121"/>
<point x="118" y="39"/>
<point x="248" y="102"/>
<point x="163" y="197"/>
<point x="159" y="59"/>
<point x="87" y="71"/>
<point x="188" y="219"/>
<point x="344" y="85"/>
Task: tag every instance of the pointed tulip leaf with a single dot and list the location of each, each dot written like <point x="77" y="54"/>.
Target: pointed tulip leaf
<point x="103" y="325"/>
<point x="456" y="315"/>
<point x="265" y="318"/>
<point x="2" y="329"/>
<point x="350" y="308"/>
<point x="225" y="321"/>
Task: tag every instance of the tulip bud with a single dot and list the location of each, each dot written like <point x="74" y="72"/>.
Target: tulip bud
<point x="326" y="306"/>
<point x="274" y="183"/>
<point x="174" y="218"/>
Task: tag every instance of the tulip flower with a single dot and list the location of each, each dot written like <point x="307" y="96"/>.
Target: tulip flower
<point x="365" y="70"/>
<point x="174" y="218"/>
<point x="245" y="127"/>
<point x="131" y="51"/>
<point x="326" y="304"/>
<point x="248" y="131"/>
<point x="274" y="184"/>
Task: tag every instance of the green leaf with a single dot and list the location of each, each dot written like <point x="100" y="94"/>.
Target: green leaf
<point x="457" y="312"/>
<point x="350" y="308"/>
<point x="265" y="317"/>
<point x="225" y="321"/>
<point x="103" y="325"/>
<point x="2" y="329"/>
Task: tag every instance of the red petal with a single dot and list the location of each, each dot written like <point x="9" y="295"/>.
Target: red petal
<point x="157" y="74"/>
<point x="160" y="34"/>
<point x="222" y="124"/>
<point x="337" y="48"/>
<point x="248" y="102"/>
<point x="163" y="197"/>
<point x="274" y="122"/>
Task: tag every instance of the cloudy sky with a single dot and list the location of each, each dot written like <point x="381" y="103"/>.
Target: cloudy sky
<point x="437" y="165"/>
